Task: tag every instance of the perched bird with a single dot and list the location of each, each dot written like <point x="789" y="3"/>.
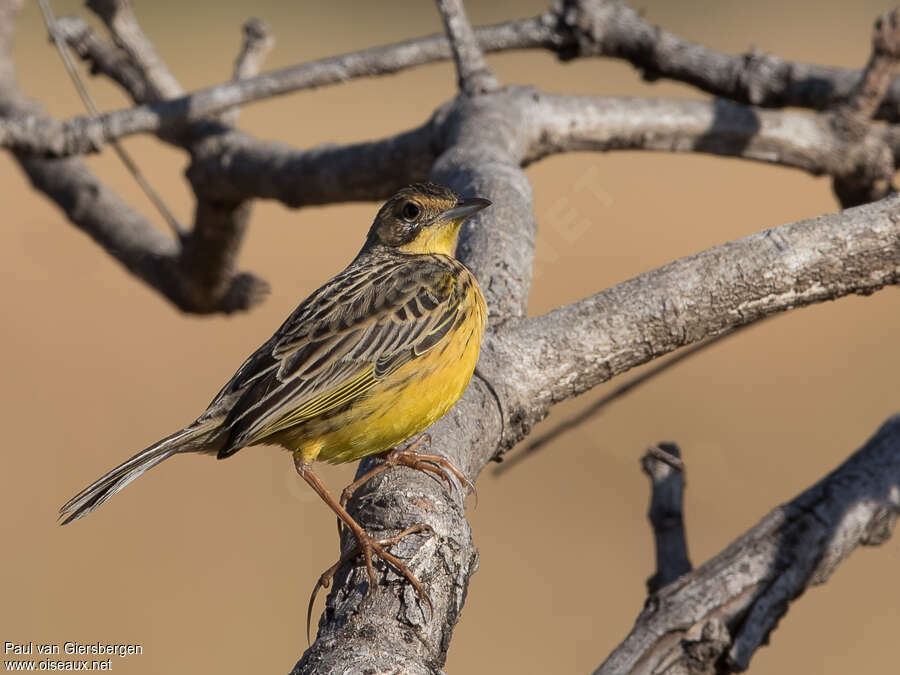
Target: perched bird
<point x="371" y="358"/>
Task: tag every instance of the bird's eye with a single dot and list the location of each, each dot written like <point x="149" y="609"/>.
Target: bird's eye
<point x="410" y="211"/>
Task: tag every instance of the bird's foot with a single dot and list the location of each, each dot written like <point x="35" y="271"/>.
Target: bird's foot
<point x="369" y="546"/>
<point x="411" y="457"/>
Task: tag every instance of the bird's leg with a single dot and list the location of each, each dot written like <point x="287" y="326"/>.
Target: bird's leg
<point x="365" y="543"/>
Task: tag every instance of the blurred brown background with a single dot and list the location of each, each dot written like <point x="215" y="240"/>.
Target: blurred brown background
<point x="209" y="564"/>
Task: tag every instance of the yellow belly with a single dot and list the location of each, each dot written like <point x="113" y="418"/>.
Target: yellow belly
<point x="404" y="403"/>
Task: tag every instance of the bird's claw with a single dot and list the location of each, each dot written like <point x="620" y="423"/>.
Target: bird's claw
<point x="368" y="546"/>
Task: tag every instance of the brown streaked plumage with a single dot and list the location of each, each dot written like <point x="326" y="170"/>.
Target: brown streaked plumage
<point x="374" y="356"/>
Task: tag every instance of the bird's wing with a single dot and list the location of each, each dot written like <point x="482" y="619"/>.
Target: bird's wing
<point x="360" y="327"/>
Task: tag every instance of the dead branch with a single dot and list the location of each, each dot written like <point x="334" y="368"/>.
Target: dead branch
<point x="207" y="264"/>
<point x="713" y="619"/>
<point x="612" y="28"/>
<point x="533" y="363"/>
<point x="100" y="213"/>
<point x="103" y="57"/>
<point x="868" y="167"/>
<point x="663" y="465"/>
<point x="474" y="74"/>
<point x="257" y="43"/>
<point x="573" y="348"/>
<point x="118" y="15"/>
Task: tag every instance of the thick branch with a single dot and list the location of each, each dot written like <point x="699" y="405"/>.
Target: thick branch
<point x="713" y="619"/>
<point x="484" y="153"/>
<point x="571" y="349"/>
<point x="237" y="166"/>
<point x="798" y="140"/>
<point x="529" y="364"/>
<point x="483" y="159"/>
<point x="473" y="73"/>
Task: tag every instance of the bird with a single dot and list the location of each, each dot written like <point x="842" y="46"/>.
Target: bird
<point x="369" y="360"/>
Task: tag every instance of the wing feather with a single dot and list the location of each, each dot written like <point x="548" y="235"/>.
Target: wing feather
<point x="340" y="342"/>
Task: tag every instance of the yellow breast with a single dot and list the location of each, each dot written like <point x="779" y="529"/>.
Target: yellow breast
<point x="407" y="401"/>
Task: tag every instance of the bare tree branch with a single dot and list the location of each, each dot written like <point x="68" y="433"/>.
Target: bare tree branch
<point x="665" y="469"/>
<point x="571" y="349"/>
<point x="99" y="212"/>
<point x="860" y="107"/>
<point x="207" y="265"/>
<point x="123" y="155"/>
<point x="868" y="167"/>
<point x="482" y="158"/>
<point x="713" y="619"/>
<point x="257" y="43"/>
<point x="211" y="251"/>
<point x="118" y="15"/>
<point x="573" y="28"/>
<point x="473" y="73"/>
<point x="598" y="27"/>
<point x="527" y="365"/>
<point x="240" y="167"/>
<point x="612" y="28"/>
<point x="103" y="57"/>
<point x="798" y="140"/>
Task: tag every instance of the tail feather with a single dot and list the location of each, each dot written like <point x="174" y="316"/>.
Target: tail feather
<point x="196" y="437"/>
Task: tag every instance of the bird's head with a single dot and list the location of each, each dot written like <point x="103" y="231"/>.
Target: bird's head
<point x="422" y="218"/>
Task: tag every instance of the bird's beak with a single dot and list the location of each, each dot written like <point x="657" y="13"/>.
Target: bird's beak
<point x="464" y="208"/>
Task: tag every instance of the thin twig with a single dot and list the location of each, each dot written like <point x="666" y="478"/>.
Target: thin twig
<point x="119" y="17"/>
<point x="256" y="45"/>
<point x="124" y="156"/>
<point x="473" y="73"/>
<point x="667" y="456"/>
<point x="876" y="78"/>
<point x="868" y="167"/>
<point x="258" y="42"/>
<point x="104" y="58"/>
<point x="663" y="465"/>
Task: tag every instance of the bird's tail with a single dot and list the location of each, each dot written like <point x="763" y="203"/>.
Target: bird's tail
<point x="197" y="437"/>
